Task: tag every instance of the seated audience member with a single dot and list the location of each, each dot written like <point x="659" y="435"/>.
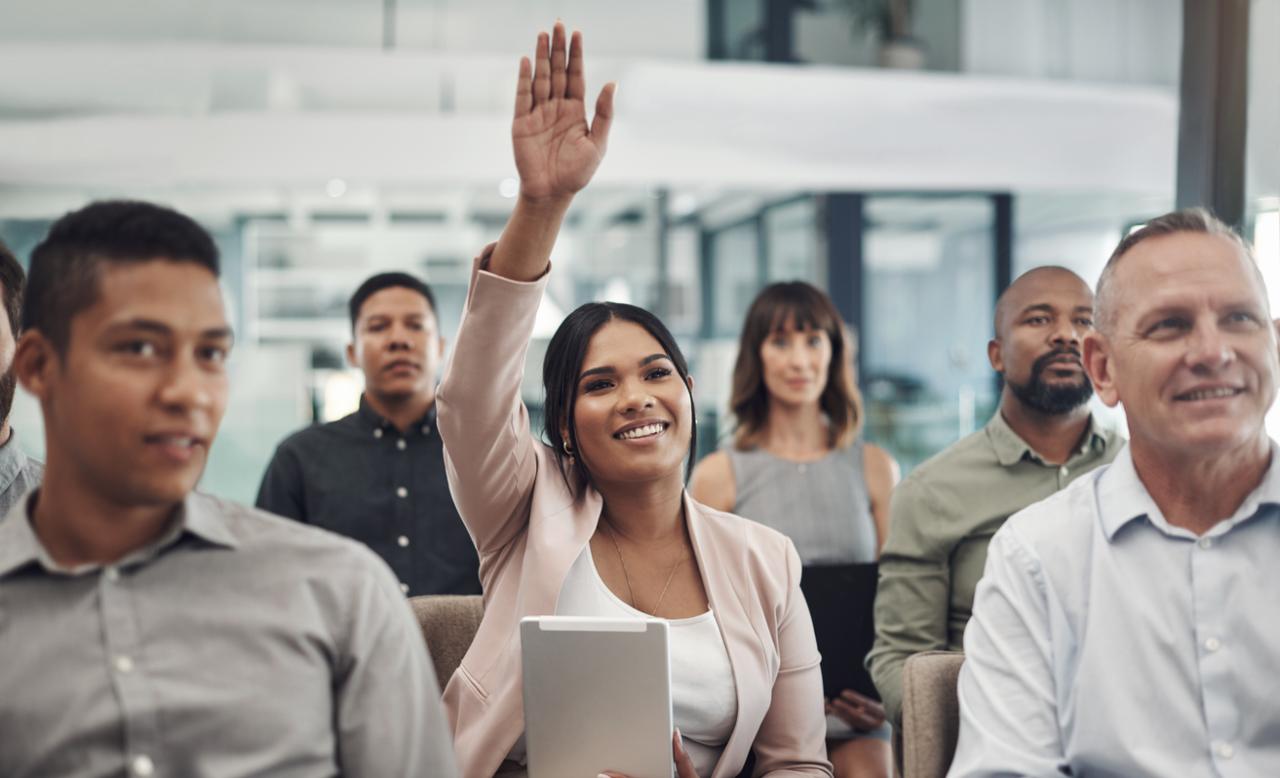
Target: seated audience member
<point x="19" y="473"/>
<point x="598" y="523"/>
<point x="943" y="514"/>
<point x="147" y="629"/>
<point x="797" y="464"/>
<point x="377" y="475"/>
<point x="1125" y="626"/>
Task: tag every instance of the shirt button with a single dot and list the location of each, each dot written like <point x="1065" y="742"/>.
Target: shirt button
<point x="141" y="765"/>
<point x="426" y="429"/>
<point x="124" y="664"/>
<point x="111" y="573"/>
<point x="377" y="433"/>
<point x="404" y="588"/>
<point x="400" y="444"/>
<point x="403" y="541"/>
<point x="401" y="491"/>
<point x="1224" y="750"/>
<point x="1212" y="644"/>
<point x="1064" y="471"/>
<point x="1206" y="543"/>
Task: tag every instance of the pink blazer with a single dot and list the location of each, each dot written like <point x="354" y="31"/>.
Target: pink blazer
<point x="529" y="528"/>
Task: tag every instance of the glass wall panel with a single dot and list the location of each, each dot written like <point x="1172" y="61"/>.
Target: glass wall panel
<point x="736" y="279"/>
<point x="928" y="292"/>
<point x="791" y="242"/>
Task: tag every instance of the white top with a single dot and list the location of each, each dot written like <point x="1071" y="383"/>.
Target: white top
<point x="1106" y="641"/>
<point x="703" y="696"/>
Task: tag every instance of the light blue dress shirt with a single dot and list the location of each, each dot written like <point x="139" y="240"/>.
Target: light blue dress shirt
<point x="1105" y="641"/>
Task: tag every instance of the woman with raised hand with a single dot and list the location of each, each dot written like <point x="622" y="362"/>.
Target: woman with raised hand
<point x="798" y="464"/>
<point x="598" y="523"/>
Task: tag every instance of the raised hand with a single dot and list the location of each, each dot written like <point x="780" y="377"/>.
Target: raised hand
<point x="556" y="151"/>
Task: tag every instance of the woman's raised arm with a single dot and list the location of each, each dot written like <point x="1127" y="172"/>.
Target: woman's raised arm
<point x="556" y="151"/>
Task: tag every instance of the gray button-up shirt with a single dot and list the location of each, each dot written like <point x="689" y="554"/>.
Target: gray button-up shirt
<point x="19" y="473"/>
<point x="1106" y="641"/>
<point x="361" y="477"/>
<point x="238" y="644"/>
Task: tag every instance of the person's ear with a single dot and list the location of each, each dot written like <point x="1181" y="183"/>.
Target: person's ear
<point x="1100" y="366"/>
<point x="351" y="355"/>
<point x="688" y="380"/>
<point x="34" y="361"/>
<point x="994" y="356"/>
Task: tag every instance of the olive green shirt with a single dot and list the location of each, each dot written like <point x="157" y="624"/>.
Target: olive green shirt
<point x="942" y="516"/>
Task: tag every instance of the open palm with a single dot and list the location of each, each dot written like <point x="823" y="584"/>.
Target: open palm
<point x="556" y="151"/>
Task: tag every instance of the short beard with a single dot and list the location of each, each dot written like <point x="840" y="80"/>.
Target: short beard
<point x="8" y="385"/>
<point x="1047" y="399"/>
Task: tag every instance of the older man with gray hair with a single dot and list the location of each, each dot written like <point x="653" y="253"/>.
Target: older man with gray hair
<point x="1126" y="625"/>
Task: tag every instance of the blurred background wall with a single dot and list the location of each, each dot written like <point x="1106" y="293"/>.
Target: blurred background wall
<point x="908" y="157"/>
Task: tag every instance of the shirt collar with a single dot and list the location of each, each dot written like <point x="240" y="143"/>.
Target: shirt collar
<point x="1122" y="497"/>
<point x="12" y="460"/>
<point x="20" y="546"/>
<point x="374" y="421"/>
<point x="1010" y="449"/>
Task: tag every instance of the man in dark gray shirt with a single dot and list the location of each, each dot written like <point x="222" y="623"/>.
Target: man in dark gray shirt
<point x="377" y="475"/>
<point x="146" y="629"/>
<point x="19" y="473"/>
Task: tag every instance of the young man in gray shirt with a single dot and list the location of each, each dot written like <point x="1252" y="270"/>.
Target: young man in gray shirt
<point x="150" y="630"/>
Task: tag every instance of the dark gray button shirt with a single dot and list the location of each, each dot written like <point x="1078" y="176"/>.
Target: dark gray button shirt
<point x="361" y="477"/>
<point x="19" y="473"/>
<point x="238" y="644"/>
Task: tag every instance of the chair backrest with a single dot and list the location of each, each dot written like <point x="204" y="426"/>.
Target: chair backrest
<point x="930" y="713"/>
<point x="448" y="623"/>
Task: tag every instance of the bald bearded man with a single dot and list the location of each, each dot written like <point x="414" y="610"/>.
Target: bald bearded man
<point x="945" y="512"/>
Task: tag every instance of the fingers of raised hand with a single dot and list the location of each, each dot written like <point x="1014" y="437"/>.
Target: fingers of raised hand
<point x="524" y="88"/>
<point x="542" y="69"/>
<point x="558" y="61"/>
<point x="604" y="115"/>
<point x="577" y="86"/>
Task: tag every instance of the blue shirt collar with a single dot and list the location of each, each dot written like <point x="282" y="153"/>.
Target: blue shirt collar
<point x="1122" y="498"/>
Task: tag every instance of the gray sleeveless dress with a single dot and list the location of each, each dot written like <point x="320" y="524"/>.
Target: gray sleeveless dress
<point x="822" y="506"/>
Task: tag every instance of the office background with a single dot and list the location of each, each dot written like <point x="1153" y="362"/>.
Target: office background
<point x="908" y="157"/>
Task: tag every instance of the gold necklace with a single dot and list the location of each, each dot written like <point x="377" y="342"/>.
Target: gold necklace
<point x="626" y="577"/>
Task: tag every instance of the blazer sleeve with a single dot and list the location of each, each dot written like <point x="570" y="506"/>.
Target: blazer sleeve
<point x="489" y="451"/>
<point x="792" y="736"/>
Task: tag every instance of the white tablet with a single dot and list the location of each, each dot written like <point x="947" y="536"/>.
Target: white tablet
<point x="597" y="696"/>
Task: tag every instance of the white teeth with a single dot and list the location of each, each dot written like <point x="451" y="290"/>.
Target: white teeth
<point x="1207" y="394"/>
<point x="641" y="432"/>
<point x="172" y="441"/>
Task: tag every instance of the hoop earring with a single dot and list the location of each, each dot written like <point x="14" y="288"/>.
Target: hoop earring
<point x="568" y="450"/>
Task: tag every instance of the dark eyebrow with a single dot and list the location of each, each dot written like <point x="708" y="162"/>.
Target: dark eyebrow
<point x="1045" y="307"/>
<point x="160" y="328"/>
<point x="609" y="369"/>
<point x="1084" y="309"/>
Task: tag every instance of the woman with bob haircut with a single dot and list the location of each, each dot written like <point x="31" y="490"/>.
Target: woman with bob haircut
<point x="598" y="522"/>
<point x="798" y="464"/>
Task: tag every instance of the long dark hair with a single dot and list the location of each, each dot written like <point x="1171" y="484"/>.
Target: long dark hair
<point x="804" y="306"/>
<point x="563" y="363"/>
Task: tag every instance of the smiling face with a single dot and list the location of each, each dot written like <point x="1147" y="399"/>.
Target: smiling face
<point x="397" y="344"/>
<point x="1192" y="351"/>
<point x="633" y="413"/>
<point x="132" y="405"/>
<point x="795" y="364"/>
<point x="1041" y="321"/>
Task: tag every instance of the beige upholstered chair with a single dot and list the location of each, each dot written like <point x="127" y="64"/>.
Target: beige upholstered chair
<point x="930" y="713"/>
<point x="448" y="622"/>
